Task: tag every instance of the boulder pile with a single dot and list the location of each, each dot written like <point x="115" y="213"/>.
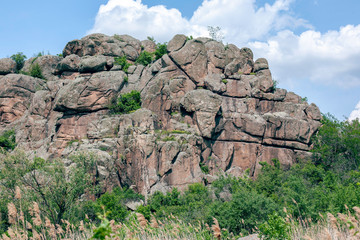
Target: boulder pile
<point x="206" y="108"/>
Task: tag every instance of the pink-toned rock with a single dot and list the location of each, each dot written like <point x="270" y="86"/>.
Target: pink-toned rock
<point x="149" y="46"/>
<point x="233" y="124"/>
<point x="192" y="58"/>
<point x="16" y="93"/>
<point x="7" y="65"/>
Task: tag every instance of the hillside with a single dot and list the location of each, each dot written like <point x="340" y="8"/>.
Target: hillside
<point x="205" y="108"/>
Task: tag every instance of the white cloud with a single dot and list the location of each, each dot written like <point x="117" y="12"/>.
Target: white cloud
<point x="240" y="20"/>
<point x="133" y="18"/>
<point x="355" y="113"/>
<point x="331" y="58"/>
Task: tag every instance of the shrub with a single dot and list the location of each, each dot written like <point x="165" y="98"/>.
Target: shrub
<point x="275" y="83"/>
<point x="113" y="203"/>
<point x="19" y="58"/>
<point x="145" y="58"/>
<point x="122" y="61"/>
<point x="35" y="71"/>
<point x="54" y="187"/>
<point x="7" y="140"/>
<point x="204" y="168"/>
<point x="275" y="228"/>
<point x="126" y="103"/>
<point x="161" y="49"/>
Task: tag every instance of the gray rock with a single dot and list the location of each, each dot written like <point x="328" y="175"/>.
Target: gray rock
<point x="92" y="64"/>
<point x="133" y="205"/>
<point x="215" y="83"/>
<point x="206" y="105"/>
<point x="261" y="64"/>
<point x="176" y="43"/>
<point x="7" y="65"/>
<point x="70" y="63"/>
<point x="47" y="65"/>
<point x="192" y="58"/>
<point x="148" y="45"/>
<point x="250" y="237"/>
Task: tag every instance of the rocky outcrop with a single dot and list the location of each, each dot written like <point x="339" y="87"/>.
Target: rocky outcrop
<point x="7" y="65"/>
<point x="206" y="108"/>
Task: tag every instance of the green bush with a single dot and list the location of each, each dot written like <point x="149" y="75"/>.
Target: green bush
<point x="244" y="211"/>
<point x="126" y="103"/>
<point x="19" y="58"/>
<point x="122" y="61"/>
<point x="7" y="140"/>
<point x="145" y="58"/>
<point x="113" y="203"/>
<point x="276" y="228"/>
<point x="35" y="71"/>
<point x="161" y="49"/>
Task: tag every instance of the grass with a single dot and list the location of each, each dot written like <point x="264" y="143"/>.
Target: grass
<point x="69" y="143"/>
<point x="224" y="81"/>
<point x="34" y="225"/>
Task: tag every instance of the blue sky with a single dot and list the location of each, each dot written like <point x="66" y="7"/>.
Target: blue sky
<point x="313" y="46"/>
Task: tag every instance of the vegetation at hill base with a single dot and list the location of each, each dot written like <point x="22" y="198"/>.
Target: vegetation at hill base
<point x="314" y="199"/>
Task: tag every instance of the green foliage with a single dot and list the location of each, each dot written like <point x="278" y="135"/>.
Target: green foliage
<point x="145" y="58"/>
<point x="122" y="61"/>
<point x="275" y="83"/>
<point x="161" y="49"/>
<point x="113" y="203"/>
<point x="245" y="204"/>
<point x="276" y="228"/>
<point x="304" y="99"/>
<point x="337" y="145"/>
<point x="168" y="138"/>
<point x="151" y="38"/>
<point x="224" y="81"/>
<point x="126" y="79"/>
<point x="19" y="58"/>
<point x="7" y="140"/>
<point x="188" y="38"/>
<point x="252" y="73"/>
<point x="104" y="230"/>
<point x="35" y="71"/>
<point x="55" y="188"/>
<point x="204" y="168"/>
<point x="126" y="103"/>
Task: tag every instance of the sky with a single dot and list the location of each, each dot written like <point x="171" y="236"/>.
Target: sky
<point x="312" y="46"/>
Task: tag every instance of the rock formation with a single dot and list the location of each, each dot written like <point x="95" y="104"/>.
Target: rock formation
<point x="206" y="108"/>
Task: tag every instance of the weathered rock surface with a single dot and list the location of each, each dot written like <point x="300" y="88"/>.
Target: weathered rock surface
<point x="7" y="65"/>
<point x="203" y="103"/>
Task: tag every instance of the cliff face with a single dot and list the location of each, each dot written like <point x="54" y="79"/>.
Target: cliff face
<point x="203" y="104"/>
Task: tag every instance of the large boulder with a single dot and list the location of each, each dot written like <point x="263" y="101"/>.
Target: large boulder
<point x="100" y="44"/>
<point x="192" y="58"/>
<point x="7" y="65"/>
<point x="47" y="65"/>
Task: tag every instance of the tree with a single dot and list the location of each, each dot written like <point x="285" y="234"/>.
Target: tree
<point x="215" y="33"/>
<point x="19" y="58"/>
<point x="55" y="187"/>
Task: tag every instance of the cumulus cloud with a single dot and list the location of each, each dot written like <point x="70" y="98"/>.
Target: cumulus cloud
<point x="355" y="114"/>
<point x="240" y="20"/>
<point x="331" y="58"/>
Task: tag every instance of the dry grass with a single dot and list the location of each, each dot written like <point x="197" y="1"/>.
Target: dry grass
<point x="340" y="227"/>
<point x="37" y="227"/>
